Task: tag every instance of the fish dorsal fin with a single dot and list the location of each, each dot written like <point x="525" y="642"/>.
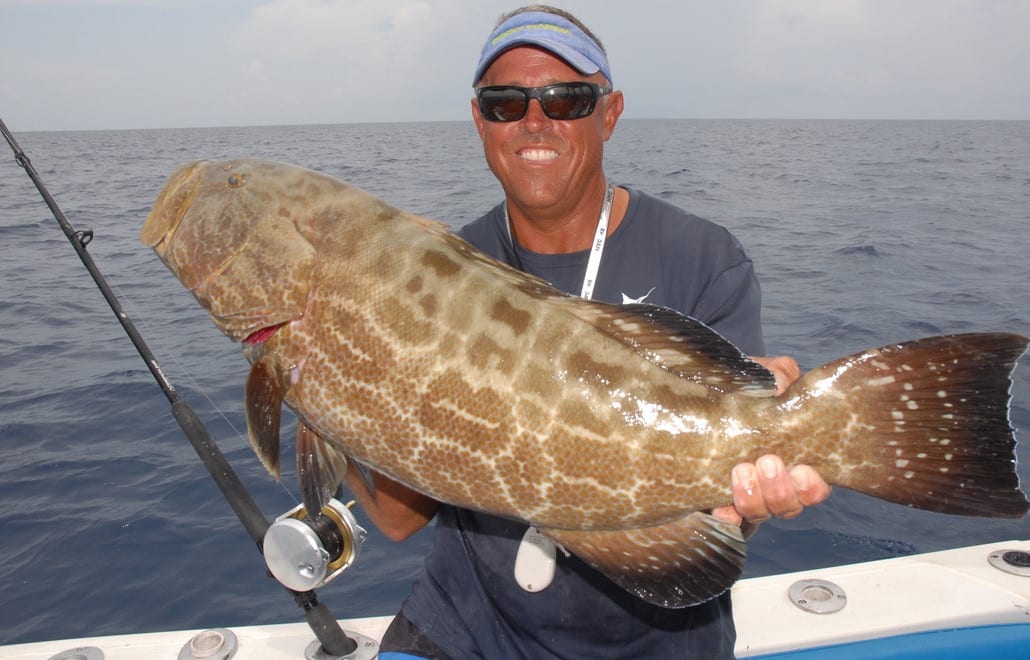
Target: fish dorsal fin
<point x="680" y="344"/>
<point x="678" y="564"/>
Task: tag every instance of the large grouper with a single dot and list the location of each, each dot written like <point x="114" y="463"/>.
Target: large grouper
<point x="613" y="429"/>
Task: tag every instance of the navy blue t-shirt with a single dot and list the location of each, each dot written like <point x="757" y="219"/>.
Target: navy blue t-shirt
<point x="467" y="600"/>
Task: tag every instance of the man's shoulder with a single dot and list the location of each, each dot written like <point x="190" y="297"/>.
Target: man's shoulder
<point x="675" y="226"/>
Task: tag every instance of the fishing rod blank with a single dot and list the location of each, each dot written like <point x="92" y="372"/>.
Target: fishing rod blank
<point x="332" y="638"/>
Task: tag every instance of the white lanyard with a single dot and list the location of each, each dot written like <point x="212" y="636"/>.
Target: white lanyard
<point x="596" y="249"/>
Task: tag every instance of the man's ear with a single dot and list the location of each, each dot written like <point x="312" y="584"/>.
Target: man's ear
<point x="613" y="106"/>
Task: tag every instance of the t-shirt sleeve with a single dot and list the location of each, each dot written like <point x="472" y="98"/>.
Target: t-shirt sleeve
<point x="711" y="278"/>
<point x="731" y="305"/>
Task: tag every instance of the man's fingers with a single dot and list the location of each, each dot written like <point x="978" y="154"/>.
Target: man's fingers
<point x="779" y="494"/>
<point x="811" y="487"/>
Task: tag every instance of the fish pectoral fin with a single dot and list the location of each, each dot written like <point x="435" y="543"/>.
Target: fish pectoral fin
<point x="320" y="467"/>
<point x="263" y="402"/>
<point x="678" y="564"/>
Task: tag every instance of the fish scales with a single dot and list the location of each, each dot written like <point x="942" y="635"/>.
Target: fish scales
<point x="573" y="446"/>
<point x="612" y="428"/>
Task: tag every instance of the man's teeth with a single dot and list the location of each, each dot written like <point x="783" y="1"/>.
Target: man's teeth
<point x="539" y="154"/>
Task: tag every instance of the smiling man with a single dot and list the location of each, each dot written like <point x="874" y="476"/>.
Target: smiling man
<point x="545" y="106"/>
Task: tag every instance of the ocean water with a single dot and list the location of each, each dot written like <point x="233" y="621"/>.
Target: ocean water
<point x="864" y="233"/>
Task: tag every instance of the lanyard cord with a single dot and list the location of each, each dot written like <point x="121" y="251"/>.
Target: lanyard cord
<point x="596" y="249"/>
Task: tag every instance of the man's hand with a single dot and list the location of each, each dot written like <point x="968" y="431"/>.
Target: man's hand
<point x="766" y="488"/>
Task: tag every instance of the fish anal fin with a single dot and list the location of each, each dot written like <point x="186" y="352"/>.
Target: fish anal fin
<point x="263" y="403"/>
<point x="320" y="467"/>
<point x="677" y="564"/>
<point x="680" y="344"/>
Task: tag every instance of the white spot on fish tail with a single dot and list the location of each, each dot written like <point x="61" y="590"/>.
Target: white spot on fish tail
<point x="909" y="474"/>
<point x="945" y="442"/>
<point x="883" y="366"/>
<point x="942" y="394"/>
<point x="948" y="457"/>
<point x="880" y="382"/>
<point x="912" y="405"/>
<point x="902" y="463"/>
<point x="908" y="387"/>
<point x="897" y="414"/>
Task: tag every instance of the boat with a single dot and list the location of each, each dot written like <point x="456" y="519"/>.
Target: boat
<point x="962" y="603"/>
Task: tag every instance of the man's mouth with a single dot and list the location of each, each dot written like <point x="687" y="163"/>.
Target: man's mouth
<point x="538" y="154"/>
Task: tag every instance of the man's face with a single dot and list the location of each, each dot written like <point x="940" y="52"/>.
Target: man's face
<point x="544" y="163"/>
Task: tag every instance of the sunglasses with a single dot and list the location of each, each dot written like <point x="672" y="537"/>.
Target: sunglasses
<point x="564" y="101"/>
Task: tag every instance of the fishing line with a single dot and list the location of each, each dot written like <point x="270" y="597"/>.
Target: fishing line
<point x="186" y="373"/>
<point x="321" y="621"/>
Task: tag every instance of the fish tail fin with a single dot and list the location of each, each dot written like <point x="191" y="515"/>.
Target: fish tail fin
<point x="926" y="425"/>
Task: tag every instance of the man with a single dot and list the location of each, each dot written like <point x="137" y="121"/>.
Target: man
<point x="544" y="108"/>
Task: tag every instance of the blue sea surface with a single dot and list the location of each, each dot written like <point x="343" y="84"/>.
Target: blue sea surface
<point x="864" y="233"/>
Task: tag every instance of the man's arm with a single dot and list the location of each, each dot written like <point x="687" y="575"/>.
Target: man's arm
<point x="396" y="510"/>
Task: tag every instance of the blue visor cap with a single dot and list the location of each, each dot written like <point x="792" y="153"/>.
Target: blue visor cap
<point x="550" y="32"/>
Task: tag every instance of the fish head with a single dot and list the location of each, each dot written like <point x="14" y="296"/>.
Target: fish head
<point x="230" y="232"/>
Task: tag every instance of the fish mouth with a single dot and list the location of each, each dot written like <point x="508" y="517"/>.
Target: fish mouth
<point x="262" y="335"/>
<point x="170" y="207"/>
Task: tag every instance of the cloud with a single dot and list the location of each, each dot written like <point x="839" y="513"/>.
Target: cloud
<point x="137" y="63"/>
<point x="878" y="58"/>
<point x="380" y="61"/>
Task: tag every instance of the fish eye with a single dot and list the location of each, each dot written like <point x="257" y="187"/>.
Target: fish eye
<point x="236" y="180"/>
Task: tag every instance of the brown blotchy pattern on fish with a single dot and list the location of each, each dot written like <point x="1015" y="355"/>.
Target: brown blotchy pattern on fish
<point x="403" y="347"/>
<point x="516" y="319"/>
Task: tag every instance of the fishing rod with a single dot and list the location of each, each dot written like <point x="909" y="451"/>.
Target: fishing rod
<point x="328" y="631"/>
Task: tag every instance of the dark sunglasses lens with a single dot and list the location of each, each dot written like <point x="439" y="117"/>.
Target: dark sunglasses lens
<point x="569" y="101"/>
<point x="502" y="104"/>
<point x="564" y="101"/>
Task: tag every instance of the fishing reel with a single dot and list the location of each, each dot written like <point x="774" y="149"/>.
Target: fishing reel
<point x="303" y="554"/>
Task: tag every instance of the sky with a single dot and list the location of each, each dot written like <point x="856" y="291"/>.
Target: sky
<point x="94" y="64"/>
